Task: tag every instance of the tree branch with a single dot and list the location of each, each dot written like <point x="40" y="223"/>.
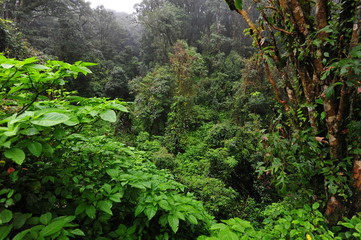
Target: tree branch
<point x="321" y="17"/>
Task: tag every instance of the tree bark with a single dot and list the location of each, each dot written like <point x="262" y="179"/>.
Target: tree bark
<point x="356" y="173"/>
<point x="309" y="60"/>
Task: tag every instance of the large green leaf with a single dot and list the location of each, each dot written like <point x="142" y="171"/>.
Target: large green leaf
<point x="139" y="209"/>
<point x="4" y="231"/>
<point x="53" y="227"/>
<point x="346" y="224"/>
<point x="21" y="235"/>
<point x="113" y="173"/>
<point x="164" y="204"/>
<point x="59" y="133"/>
<point x="5" y="216"/>
<point x="7" y="66"/>
<point x="192" y="219"/>
<point x="90" y="211"/>
<point x="20" y="219"/>
<point x="119" y="107"/>
<point x="81" y="69"/>
<point x="12" y="131"/>
<point x="150" y="212"/>
<point x="29" y="131"/>
<point x="46" y="218"/>
<point x="108" y="115"/>
<point x="227" y="234"/>
<point x="50" y="119"/>
<point x="180" y="215"/>
<point x="48" y="149"/>
<point x="15" y="154"/>
<point x="358" y="227"/>
<point x="73" y="120"/>
<point x="116" y="197"/>
<point x="35" y="148"/>
<point x="80" y="208"/>
<point x="105" y="206"/>
<point x="173" y="222"/>
<point x="238" y="4"/>
<point x="77" y="232"/>
<point x="38" y="67"/>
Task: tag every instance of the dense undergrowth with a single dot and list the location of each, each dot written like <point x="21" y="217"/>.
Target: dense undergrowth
<point x="203" y="152"/>
<point x="62" y="178"/>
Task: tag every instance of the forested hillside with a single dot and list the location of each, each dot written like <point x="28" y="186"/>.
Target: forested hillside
<point x="188" y="119"/>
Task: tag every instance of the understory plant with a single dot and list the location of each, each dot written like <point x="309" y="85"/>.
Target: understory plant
<point x="63" y="179"/>
<point x="284" y="221"/>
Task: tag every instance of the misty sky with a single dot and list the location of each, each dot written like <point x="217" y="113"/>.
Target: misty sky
<point x="118" y="5"/>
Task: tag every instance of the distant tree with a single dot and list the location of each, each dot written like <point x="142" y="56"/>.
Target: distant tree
<point x="153" y="98"/>
<point x="163" y="26"/>
<point x="117" y="86"/>
<point x="188" y="67"/>
<point x="213" y="28"/>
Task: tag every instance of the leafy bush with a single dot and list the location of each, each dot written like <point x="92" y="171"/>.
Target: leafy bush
<point x="298" y="166"/>
<point x="153" y="95"/>
<point x="217" y="135"/>
<point x="218" y="199"/>
<point x="351" y="228"/>
<point x="60" y="180"/>
<point x="163" y="159"/>
<point x="105" y="188"/>
<point x="282" y="221"/>
<point x="12" y="42"/>
<point x="285" y="221"/>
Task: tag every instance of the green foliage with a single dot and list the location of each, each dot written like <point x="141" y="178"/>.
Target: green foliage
<point x="296" y="165"/>
<point x="60" y="180"/>
<point x="220" y="200"/>
<point x="238" y="4"/>
<point x="282" y="222"/>
<point x="353" y="227"/>
<point x="104" y="184"/>
<point x="234" y="228"/>
<point x="192" y="161"/>
<point x="117" y="87"/>
<point x="252" y="94"/>
<point x="12" y="43"/>
<point x="217" y="166"/>
<point x="171" y="22"/>
<point x="62" y="176"/>
<point x="212" y="43"/>
<point x="131" y="187"/>
<point x="188" y="67"/>
<point x="289" y="161"/>
<point x="163" y="159"/>
<point x="219" y="133"/>
<point x="153" y="95"/>
<point x="199" y="170"/>
<point x="312" y="157"/>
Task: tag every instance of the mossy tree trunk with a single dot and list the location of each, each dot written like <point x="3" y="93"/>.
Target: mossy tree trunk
<point x="319" y="40"/>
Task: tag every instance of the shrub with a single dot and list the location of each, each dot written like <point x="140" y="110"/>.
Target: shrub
<point x="59" y="180"/>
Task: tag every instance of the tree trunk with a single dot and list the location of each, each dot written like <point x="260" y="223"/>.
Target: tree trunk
<point x="298" y="40"/>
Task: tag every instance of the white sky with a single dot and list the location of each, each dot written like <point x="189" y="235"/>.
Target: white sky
<point x="117" y="5"/>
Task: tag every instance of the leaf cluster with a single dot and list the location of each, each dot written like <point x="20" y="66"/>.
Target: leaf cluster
<point x="60" y="180"/>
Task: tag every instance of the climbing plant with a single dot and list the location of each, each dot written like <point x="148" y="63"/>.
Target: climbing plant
<point x="314" y="46"/>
